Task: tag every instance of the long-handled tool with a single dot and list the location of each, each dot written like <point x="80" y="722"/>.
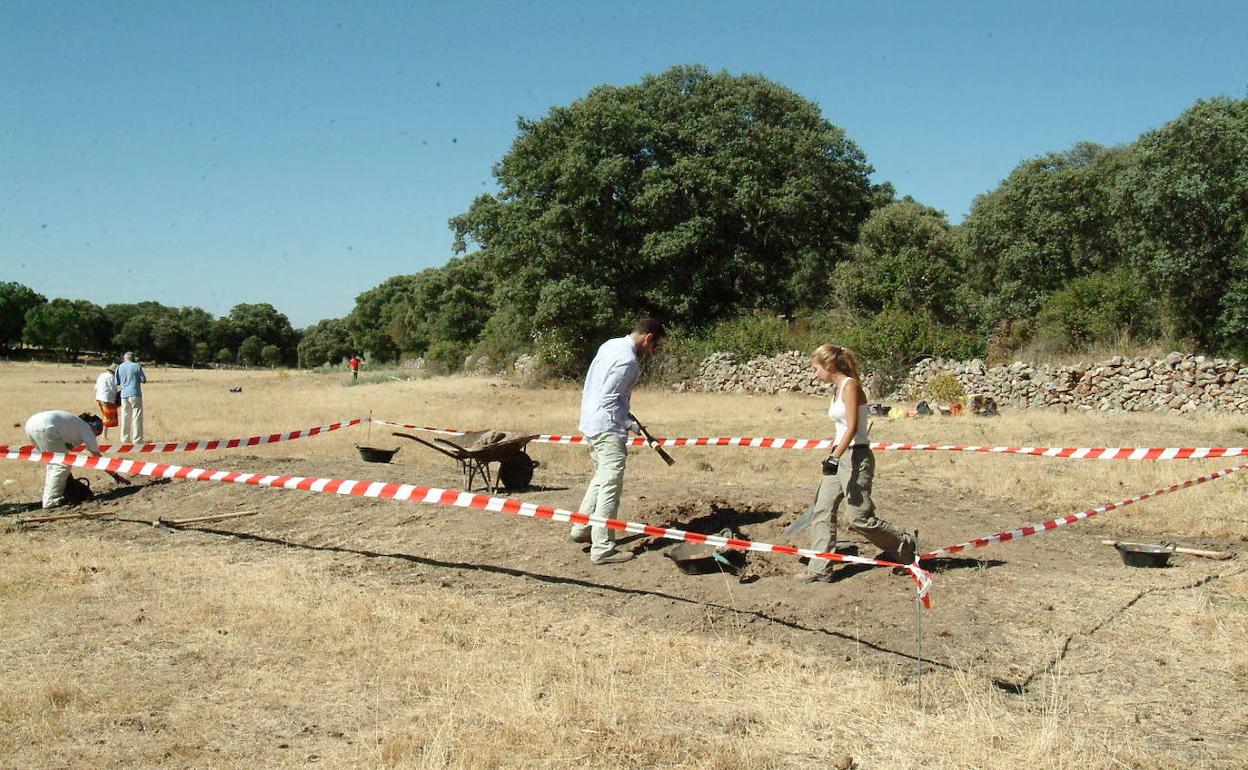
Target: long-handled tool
<point x="803" y="521"/>
<point x="63" y="516"/>
<point x="650" y="440"/>
<point x="202" y="519"/>
<point x="1219" y="555"/>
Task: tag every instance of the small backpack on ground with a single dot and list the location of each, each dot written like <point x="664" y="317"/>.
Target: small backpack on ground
<point x="77" y="491"/>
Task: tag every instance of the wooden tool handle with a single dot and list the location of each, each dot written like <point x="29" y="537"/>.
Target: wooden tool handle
<point x="198" y="519"/>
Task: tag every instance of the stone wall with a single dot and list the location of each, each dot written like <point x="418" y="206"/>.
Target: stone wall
<point x="785" y="373"/>
<point x="1178" y="382"/>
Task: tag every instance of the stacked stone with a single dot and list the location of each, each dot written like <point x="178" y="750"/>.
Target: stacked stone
<point x="1178" y="382"/>
<point x="784" y="373"/>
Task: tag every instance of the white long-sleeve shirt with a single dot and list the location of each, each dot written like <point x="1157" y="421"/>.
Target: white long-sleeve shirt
<point x="57" y="431"/>
<point x="609" y="388"/>
<point x="106" y="387"/>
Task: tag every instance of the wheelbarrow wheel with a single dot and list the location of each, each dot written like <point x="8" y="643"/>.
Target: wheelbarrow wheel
<point x="516" y="471"/>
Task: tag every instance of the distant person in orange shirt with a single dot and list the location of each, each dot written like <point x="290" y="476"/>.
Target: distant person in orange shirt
<point x="354" y="363"/>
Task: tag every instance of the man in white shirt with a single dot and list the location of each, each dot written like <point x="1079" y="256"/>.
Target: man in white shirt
<point x="57" y="431"/>
<point x="605" y="423"/>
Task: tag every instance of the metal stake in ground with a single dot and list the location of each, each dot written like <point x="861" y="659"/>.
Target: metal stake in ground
<point x="918" y="631"/>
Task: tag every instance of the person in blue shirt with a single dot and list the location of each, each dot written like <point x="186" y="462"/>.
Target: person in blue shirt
<point x="130" y="378"/>
<point x="606" y="423"/>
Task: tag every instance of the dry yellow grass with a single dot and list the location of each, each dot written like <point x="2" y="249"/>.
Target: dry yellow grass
<point x="124" y="651"/>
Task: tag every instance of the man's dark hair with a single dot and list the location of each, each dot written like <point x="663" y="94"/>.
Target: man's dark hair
<point x="651" y="326"/>
<point x="92" y="419"/>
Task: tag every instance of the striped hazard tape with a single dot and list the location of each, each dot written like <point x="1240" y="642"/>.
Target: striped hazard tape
<point x="1070" y="453"/>
<point x="1035" y="529"/>
<point x="450" y="497"/>
<point x="216" y="443"/>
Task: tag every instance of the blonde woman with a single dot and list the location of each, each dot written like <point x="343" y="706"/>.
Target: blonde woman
<point x="848" y="470"/>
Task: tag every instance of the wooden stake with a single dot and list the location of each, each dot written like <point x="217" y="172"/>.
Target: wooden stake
<point x="1219" y="555"/>
<point x="200" y="519"/>
<point x="63" y="516"/>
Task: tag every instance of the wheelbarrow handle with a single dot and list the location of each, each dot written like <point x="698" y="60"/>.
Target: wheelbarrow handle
<point x="429" y="444"/>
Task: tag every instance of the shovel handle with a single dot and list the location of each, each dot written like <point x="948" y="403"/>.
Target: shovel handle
<point x="651" y="442"/>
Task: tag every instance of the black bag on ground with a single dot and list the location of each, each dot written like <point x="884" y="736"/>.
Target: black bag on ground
<point x="77" y="491"/>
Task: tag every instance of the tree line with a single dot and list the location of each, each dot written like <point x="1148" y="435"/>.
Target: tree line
<point x="251" y="335"/>
<point x="732" y="208"/>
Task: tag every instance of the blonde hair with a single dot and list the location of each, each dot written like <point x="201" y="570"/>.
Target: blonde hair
<point x="836" y="359"/>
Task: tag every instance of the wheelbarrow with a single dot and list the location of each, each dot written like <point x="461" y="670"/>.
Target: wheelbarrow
<point x="475" y="451"/>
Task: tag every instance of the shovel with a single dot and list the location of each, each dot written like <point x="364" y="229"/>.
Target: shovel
<point x="650" y="440"/>
<point x="803" y="521"/>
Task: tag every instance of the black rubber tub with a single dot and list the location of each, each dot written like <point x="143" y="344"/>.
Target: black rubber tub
<point x="1145" y="555"/>
<point x="374" y="455"/>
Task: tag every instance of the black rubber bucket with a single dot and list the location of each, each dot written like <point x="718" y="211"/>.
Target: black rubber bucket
<point x="1144" y="555"/>
<point x="374" y="455"/>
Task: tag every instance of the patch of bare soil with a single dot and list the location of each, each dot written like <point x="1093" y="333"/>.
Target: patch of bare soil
<point x="1014" y="615"/>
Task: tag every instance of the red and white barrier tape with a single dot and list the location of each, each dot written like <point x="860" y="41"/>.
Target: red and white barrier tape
<point x="435" y="496"/>
<point x="1034" y="529"/>
<point x="216" y="443"/>
<point x="1070" y="453"/>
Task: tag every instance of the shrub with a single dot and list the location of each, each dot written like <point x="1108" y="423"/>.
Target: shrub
<point x="944" y="388"/>
<point x="1095" y="308"/>
<point x="445" y="356"/>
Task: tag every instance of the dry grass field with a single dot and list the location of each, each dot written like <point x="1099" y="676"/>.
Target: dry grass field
<point x="344" y="632"/>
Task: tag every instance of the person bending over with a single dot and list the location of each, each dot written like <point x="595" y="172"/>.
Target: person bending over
<point x="57" y="431"/>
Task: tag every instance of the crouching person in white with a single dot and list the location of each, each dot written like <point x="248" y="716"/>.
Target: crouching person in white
<point x="57" y="431"/>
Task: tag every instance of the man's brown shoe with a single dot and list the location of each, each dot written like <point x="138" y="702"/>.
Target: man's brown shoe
<point x="614" y="557"/>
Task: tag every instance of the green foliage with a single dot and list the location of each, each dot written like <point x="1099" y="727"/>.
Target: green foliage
<point x="944" y="388"/>
<point x="69" y="326"/>
<point x="689" y="195"/>
<point x="201" y="354"/>
<point x="371" y="321"/>
<point x="271" y="355"/>
<point x="571" y="320"/>
<point x="1050" y="221"/>
<point x="1097" y="307"/>
<point x="1167" y="216"/>
<point x="445" y="356"/>
<point x="187" y="335"/>
<point x="327" y="342"/>
<point x="250" y="350"/>
<point x="224" y="356"/>
<point x="757" y="334"/>
<point x="890" y="342"/>
<point x="1184" y="200"/>
<point x="262" y="321"/>
<point x="906" y="257"/>
<point x="450" y="303"/>
<point x="15" y="301"/>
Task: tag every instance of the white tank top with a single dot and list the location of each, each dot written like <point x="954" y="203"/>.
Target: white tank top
<point x="837" y="412"/>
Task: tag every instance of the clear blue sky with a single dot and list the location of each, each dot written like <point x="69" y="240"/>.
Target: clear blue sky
<point x="298" y="153"/>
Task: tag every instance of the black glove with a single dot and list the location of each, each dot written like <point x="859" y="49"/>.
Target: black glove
<point x="830" y="465"/>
